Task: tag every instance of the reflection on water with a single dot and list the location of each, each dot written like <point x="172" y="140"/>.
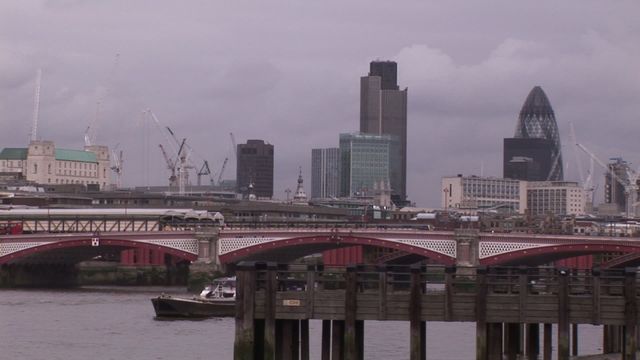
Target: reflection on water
<point x="118" y="323"/>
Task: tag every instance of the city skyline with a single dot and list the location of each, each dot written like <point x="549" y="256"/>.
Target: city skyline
<point x="276" y="72"/>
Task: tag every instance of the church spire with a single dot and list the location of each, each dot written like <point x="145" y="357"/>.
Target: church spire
<point x="300" y="196"/>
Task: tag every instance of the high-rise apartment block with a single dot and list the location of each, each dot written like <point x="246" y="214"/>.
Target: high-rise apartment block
<point x="325" y="173"/>
<point x="383" y="111"/>
<point x="534" y="153"/>
<point x="255" y="166"/>
<point x="365" y="161"/>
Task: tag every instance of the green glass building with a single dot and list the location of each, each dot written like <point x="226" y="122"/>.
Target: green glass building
<point x="365" y="162"/>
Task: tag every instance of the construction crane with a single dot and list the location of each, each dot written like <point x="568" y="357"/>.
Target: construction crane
<point x="117" y="166"/>
<point x="179" y="166"/>
<point x="587" y="183"/>
<point x="224" y="165"/>
<point x="36" y="108"/>
<point x="183" y="166"/>
<point x="204" y="170"/>
<point x="630" y="184"/>
<point x="90" y="132"/>
<point x="235" y="146"/>
<point x="171" y="165"/>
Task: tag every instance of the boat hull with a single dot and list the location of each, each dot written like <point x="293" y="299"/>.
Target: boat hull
<point x="174" y="307"/>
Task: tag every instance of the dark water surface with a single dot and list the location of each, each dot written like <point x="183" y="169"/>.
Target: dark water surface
<point x="118" y="323"/>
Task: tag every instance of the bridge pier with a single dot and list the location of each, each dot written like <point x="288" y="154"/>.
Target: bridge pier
<point x="208" y="266"/>
<point x="467" y="251"/>
<point x="208" y="245"/>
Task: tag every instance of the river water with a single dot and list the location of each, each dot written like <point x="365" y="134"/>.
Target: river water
<point x="118" y="323"/>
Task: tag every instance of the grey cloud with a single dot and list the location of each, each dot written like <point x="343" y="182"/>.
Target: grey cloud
<point x="288" y="72"/>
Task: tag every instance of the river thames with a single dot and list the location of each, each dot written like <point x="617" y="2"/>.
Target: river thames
<point x="118" y="323"/>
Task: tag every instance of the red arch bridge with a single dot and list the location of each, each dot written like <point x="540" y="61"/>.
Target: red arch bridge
<point x="230" y="245"/>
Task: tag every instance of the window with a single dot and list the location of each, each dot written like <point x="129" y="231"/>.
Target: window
<point x="35" y="168"/>
<point x="49" y="170"/>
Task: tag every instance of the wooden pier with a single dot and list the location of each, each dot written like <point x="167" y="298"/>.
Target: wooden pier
<point x="510" y="307"/>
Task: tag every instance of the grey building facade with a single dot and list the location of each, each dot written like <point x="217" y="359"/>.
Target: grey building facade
<point x="255" y="166"/>
<point x="325" y="173"/>
<point x="383" y="111"/>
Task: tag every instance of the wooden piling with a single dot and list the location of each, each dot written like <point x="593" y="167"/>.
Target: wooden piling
<point x="533" y="341"/>
<point x="383" y="280"/>
<point x="243" y="347"/>
<point x="350" y="308"/>
<point x="337" y="340"/>
<point x="326" y="340"/>
<point x="595" y="293"/>
<point x="360" y="338"/>
<point x="285" y="340"/>
<point x="563" y="315"/>
<point x="482" y="352"/>
<point x="512" y="340"/>
<point x="546" y="341"/>
<point x="494" y="341"/>
<point x="631" y="314"/>
<point x="574" y="339"/>
<point x="417" y="347"/>
<point x="304" y="339"/>
<point x="270" y="311"/>
<point x="449" y="274"/>
<point x="295" y="339"/>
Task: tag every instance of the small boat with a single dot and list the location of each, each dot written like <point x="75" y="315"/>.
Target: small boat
<point x="215" y="300"/>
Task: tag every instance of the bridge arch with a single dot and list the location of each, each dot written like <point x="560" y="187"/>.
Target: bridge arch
<point x="76" y="248"/>
<point x="551" y="252"/>
<point x="298" y="245"/>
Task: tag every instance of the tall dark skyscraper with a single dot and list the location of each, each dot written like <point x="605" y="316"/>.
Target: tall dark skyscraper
<point x="383" y="111"/>
<point x="255" y="165"/>
<point x="528" y="159"/>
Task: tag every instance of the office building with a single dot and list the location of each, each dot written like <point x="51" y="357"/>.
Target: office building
<point x="383" y="111"/>
<point x="536" y="121"/>
<point x="555" y="197"/>
<point x="527" y="159"/>
<point x="254" y="171"/>
<point x="473" y="193"/>
<point x="364" y="161"/>
<point x="42" y="163"/>
<point x="325" y="173"/>
<point x="614" y="191"/>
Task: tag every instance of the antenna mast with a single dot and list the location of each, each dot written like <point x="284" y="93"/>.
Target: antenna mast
<point x="36" y="108"/>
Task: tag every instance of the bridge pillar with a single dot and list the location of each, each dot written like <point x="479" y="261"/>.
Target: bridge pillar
<point x="207" y="267"/>
<point x="467" y="244"/>
<point x="208" y="245"/>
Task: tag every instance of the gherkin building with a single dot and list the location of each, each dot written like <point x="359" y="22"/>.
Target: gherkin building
<point x="537" y="121"/>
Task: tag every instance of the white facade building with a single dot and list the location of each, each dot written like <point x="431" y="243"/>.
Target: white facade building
<point x="555" y="197"/>
<point x="42" y="163"/>
<point x="476" y="193"/>
<point x="473" y="193"/>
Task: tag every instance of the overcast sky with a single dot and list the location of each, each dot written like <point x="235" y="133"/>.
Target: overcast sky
<point x="288" y="72"/>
